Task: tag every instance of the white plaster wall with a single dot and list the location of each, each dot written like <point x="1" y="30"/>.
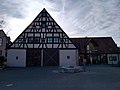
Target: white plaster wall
<point x="11" y="58"/>
<point x="71" y="46"/>
<point x="56" y="45"/>
<point x="112" y="62"/>
<point x="48" y="45"/>
<point x="64" y="61"/>
<point x="30" y="45"/>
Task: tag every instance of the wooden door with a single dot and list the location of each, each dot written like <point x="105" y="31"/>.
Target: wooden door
<point x="33" y="57"/>
<point x="50" y="57"/>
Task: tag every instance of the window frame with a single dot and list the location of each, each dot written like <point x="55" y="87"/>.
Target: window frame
<point x="36" y="41"/>
<point x="49" y="39"/>
<point x="53" y="40"/>
<point x="112" y="58"/>
<point x="30" y="41"/>
<point x="56" y="39"/>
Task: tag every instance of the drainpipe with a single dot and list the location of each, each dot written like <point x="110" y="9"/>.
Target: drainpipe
<point x="112" y="60"/>
<point x="42" y="58"/>
<point x="118" y="56"/>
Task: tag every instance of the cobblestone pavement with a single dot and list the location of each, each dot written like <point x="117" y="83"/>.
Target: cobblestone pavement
<point x="96" y="77"/>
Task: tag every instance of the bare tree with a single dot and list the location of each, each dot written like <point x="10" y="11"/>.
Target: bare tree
<point x="2" y="23"/>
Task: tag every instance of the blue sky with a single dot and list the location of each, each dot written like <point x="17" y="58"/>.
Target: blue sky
<point x="78" y="18"/>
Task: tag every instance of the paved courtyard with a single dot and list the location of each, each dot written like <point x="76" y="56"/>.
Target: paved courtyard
<point x="96" y="77"/>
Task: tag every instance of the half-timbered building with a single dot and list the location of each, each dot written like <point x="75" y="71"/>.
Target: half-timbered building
<point x="4" y="43"/>
<point x="42" y="43"/>
<point x="97" y="50"/>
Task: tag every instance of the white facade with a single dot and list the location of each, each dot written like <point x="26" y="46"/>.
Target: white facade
<point x="16" y="58"/>
<point x="112" y="58"/>
<point x="68" y="57"/>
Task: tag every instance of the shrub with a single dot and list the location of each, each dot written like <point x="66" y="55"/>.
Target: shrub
<point x="2" y="59"/>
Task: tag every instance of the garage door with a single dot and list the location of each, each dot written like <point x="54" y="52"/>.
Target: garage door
<point x="50" y="57"/>
<point x="33" y="57"/>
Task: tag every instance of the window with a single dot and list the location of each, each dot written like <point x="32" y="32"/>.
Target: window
<point x="112" y="58"/>
<point x="1" y="41"/>
<point x="56" y="40"/>
<point x="36" y="40"/>
<point x="33" y="40"/>
<point x="30" y="40"/>
<point x="49" y="40"/>
<point x="52" y="39"/>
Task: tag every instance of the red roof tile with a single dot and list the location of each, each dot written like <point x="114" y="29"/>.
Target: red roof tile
<point x="102" y="44"/>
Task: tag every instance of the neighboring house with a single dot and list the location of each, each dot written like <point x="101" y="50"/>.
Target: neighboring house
<point x="119" y="55"/>
<point x="97" y="50"/>
<point x="42" y="43"/>
<point x="4" y="43"/>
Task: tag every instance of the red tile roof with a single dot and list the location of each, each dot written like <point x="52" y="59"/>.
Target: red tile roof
<point x="102" y="44"/>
